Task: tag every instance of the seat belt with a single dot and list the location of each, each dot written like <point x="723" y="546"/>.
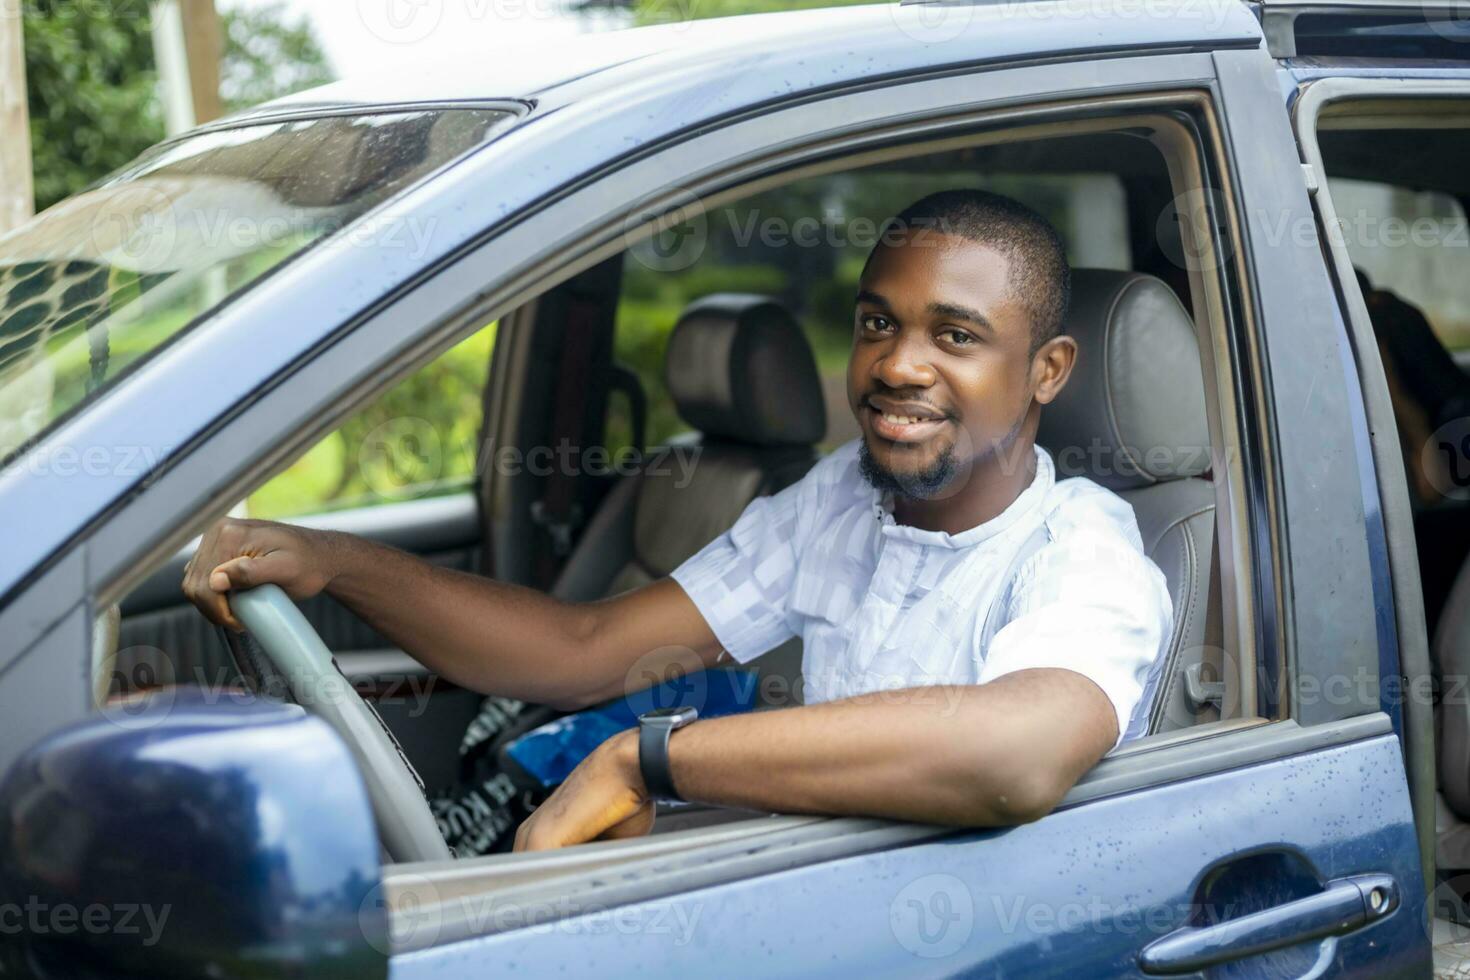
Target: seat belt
<point x="1037" y="540"/>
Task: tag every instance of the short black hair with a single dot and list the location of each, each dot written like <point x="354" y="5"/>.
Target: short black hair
<point x="1040" y="277"/>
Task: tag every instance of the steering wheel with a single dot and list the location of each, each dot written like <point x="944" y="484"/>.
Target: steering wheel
<point x="298" y="658"/>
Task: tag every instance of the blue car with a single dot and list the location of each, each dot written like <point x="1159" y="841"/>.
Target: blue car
<point x="433" y="308"/>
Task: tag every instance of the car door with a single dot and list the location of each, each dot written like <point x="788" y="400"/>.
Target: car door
<point x="1280" y="838"/>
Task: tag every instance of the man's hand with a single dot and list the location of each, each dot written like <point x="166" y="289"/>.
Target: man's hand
<point x="603" y="799"/>
<point x="236" y="554"/>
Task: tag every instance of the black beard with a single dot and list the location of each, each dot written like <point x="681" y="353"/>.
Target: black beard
<point x="916" y="486"/>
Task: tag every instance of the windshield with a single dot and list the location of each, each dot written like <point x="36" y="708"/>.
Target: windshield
<point x="106" y="278"/>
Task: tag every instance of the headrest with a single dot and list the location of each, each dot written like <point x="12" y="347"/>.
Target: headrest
<point x="1133" y="412"/>
<point x="740" y="368"/>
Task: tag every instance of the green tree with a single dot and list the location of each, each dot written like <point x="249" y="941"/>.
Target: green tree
<point x="268" y="54"/>
<point x="93" y="86"/>
<point x="665" y="11"/>
<point x="92" y="91"/>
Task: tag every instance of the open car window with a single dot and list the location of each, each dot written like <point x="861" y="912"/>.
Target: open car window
<point x="104" y="279"/>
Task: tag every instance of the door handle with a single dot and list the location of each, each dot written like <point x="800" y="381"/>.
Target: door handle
<point x="1344" y="905"/>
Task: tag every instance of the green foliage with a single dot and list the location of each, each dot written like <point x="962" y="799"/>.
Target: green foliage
<point x="417" y="440"/>
<point x="268" y="54"/>
<point x="93" y="86"/>
<point x="666" y="11"/>
<point x="92" y="91"/>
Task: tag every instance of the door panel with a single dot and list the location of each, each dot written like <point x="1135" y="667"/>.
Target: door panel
<point x="1080" y="893"/>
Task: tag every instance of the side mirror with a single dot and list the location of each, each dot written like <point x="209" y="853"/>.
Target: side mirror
<point x="190" y="834"/>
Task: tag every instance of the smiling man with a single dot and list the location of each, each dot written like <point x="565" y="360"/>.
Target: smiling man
<point x="977" y="635"/>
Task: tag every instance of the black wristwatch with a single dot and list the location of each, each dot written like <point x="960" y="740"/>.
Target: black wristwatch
<point x="654" y="729"/>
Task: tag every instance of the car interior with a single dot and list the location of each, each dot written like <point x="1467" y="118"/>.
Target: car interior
<point x="1402" y="197"/>
<point x="735" y="357"/>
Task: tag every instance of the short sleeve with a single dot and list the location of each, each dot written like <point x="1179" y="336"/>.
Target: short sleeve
<point x="741" y="581"/>
<point x="1093" y="604"/>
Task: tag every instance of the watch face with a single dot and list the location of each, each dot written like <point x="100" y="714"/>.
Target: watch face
<point x="670" y="716"/>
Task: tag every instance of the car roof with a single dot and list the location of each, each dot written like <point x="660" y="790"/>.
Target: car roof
<point x="811" y="49"/>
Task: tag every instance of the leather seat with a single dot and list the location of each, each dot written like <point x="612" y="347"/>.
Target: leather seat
<point x="1132" y="418"/>
<point x="742" y="374"/>
<point x="1451" y="655"/>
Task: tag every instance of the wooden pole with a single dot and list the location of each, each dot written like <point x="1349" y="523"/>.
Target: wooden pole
<point x="187" y="44"/>
<point x="204" y="44"/>
<point x="17" y="193"/>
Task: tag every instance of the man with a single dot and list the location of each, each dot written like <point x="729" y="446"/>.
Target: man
<point x="976" y="635"/>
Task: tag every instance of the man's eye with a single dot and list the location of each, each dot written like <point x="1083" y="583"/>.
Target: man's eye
<point x="873" y="322"/>
<point x="958" y="337"/>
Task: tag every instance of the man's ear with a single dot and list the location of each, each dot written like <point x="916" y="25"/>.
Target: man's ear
<point x="1052" y="366"/>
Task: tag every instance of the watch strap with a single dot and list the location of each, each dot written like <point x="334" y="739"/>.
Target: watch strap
<point x="653" y="761"/>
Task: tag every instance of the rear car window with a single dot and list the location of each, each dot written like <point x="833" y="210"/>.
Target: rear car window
<point x="102" y="280"/>
<point x="1413" y="243"/>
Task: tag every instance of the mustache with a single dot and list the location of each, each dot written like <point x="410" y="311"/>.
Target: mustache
<point x="943" y="413"/>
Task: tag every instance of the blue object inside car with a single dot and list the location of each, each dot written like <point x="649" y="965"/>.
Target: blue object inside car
<point x="550" y="753"/>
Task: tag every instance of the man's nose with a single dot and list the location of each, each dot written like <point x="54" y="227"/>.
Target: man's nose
<point x="905" y="364"/>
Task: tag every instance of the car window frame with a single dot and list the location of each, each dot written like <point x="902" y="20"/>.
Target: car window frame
<point x="1244" y="634"/>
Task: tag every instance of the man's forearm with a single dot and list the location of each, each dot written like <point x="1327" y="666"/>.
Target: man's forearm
<point x="502" y="638"/>
<point x="484" y="635"/>
<point x="987" y="755"/>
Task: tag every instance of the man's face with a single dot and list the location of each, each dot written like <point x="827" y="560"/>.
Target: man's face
<point x="939" y="374"/>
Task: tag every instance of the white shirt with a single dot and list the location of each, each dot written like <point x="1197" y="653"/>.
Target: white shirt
<point x="884" y="606"/>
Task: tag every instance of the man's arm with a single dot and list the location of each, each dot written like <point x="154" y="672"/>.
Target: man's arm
<point x="485" y="635"/>
<point x="993" y="754"/>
